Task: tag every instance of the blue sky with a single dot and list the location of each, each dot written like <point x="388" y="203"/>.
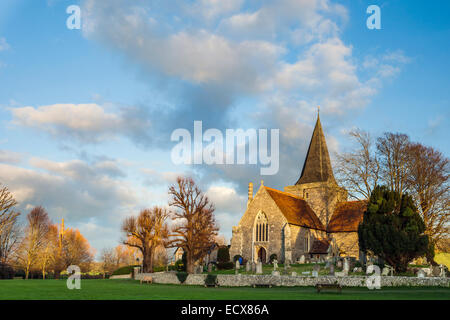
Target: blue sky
<point x="87" y="114"/>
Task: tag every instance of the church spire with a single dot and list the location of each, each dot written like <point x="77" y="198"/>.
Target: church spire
<point x="317" y="166"/>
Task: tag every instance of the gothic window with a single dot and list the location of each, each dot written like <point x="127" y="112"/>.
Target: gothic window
<point x="261" y="228"/>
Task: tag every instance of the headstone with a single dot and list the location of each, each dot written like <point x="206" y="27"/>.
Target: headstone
<point x="237" y="265"/>
<point x="436" y="271"/>
<point x="294" y="274"/>
<point x="275" y="264"/>
<point x="315" y="273"/>
<point x="331" y="269"/>
<point x="210" y="267"/>
<point x="287" y="264"/>
<point x="248" y="267"/>
<point x="302" y="259"/>
<point x="339" y="264"/>
<point x="442" y="268"/>
<point x="346" y="265"/>
<point x="259" y="268"/>
<point x="306" y="272"/>
<point x="275" y="273"/>
<point x="385" y="271"/>
<point x="327" y="265"/>
<point x="420" y="274"/>
<point x="253" y="267"/>
<point x="427" y="271"/>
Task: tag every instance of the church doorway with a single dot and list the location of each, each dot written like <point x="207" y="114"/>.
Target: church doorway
<point x="262" y="255"/>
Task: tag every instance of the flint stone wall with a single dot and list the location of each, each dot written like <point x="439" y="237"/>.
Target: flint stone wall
<point x="242" y="280"/>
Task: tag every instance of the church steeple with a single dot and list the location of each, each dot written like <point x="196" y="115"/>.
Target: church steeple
<point x="317" y="166"/>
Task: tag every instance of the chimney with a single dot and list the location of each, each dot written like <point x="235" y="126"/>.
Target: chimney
<point x="250" y="193"/>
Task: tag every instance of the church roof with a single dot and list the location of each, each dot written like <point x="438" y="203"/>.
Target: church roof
<point x="296" y="210"/>
<point x="317" y="166"/>
<point x="320" y="246"/>
<point x="347" y="216"/>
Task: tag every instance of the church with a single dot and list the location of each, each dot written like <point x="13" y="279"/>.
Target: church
<point x="311" y="218"/>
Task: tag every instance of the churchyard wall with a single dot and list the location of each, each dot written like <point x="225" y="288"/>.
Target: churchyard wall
<point x="242" y="280"/>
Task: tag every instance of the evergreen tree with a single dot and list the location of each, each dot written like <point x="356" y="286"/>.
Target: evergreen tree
<point x="392" y="229"/>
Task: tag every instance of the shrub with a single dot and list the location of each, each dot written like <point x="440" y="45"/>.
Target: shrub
<point x="273" y="256"/>
<point x="223" y="254"/>
<point x="180" y="266"/>
<point x="182" y="276"/>
<point x="237" y="257"/>
<point x="225" y="265"/>
<point x="211" y="280"/>
<point x="124" y="270"/>
<point x="6" y="272"/>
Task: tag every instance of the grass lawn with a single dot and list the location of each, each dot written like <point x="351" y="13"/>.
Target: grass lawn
<point x="130" y="290"/>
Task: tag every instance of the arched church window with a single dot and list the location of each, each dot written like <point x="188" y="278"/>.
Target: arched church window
<point x="261" y="228"/>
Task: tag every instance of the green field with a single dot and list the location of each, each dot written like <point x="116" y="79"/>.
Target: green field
<point x="130" y="290"/>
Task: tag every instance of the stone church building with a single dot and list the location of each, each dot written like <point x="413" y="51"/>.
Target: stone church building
<point x="311" y="218"/>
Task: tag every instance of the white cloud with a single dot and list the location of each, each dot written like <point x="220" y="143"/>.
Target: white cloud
<point x="84" y="122"/>
<point x="7" y="156"/>
<point x="3" y="44"/>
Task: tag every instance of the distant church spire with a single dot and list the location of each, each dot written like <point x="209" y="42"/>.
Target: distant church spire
<point x="317" y="166"/>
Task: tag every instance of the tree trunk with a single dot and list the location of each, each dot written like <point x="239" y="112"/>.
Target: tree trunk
<point x="189" y="262"/>
<point x="147" y="261"/>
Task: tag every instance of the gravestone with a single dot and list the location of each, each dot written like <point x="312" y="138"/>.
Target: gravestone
<point x="275" y="273"/>
<point x="316" y="270"/>
<point x="248" y="267"/>
<point x="253" y="267"/>
<point x="442" y="268"/>
<point x="302" y="259"/>
<point x="287" y="263"/>
<point x="275" y="265"/>
<point x="436" y="271"/>
<point x="210" y="267"/>
<point x="346" y="265"/>
<point x="385" y="271"/>
<point x="331" y="270"/>
<point x="420" y="274"/>
<point x="294" y="274"/>
<point x="427" y="271"/>
<point x="339" y="264"/>
<point x="259" y="268"/>
<point x="237" y="265"/>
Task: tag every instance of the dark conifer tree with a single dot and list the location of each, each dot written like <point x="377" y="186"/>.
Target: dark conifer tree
<point x="392" y="229"/>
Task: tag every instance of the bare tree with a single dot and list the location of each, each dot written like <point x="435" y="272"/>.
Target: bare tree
<point x="35" y="238"/>
<point x="197" y="227"/>
<point x="108" y="260"/>
<point x="428" y="182"/>
<point x="146" y="232"/>
<point x="392" y="149"/>
<point x="50" y="245"/>
<point x="9" y="240"/>
<point x="358" y="170"/>
<point x="9" y="230"/>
